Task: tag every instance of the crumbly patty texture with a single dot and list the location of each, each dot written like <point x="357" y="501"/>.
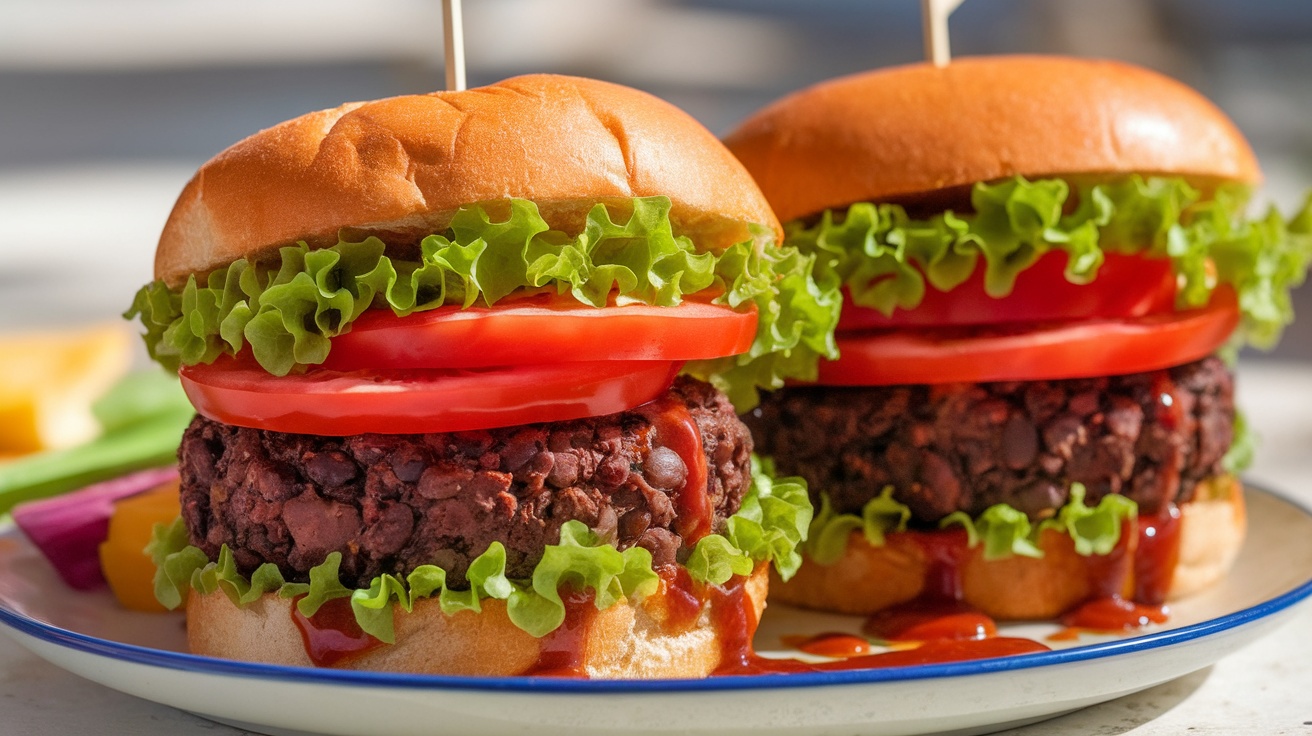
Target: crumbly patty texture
<point x="1151" y="436"/>
<point x="390" y="503"/>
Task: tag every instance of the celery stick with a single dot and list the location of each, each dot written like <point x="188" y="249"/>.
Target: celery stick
<point x="140" y="396"/>
<point x="145" y="443"/>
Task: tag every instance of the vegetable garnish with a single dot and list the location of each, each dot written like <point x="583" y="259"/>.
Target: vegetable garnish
<point x="141" y="419"/>
<point x="1001" y="529"/>
<point x="888" y="260"/>
<point x="286" y="313"/>
<point x="127" y="568"/>
<point x="1032" y="352"/>
<point x="539" y="330"/>
<point x="69" y="529"/>
<point x="417" y="401"/>
<point x="48" y="381"/>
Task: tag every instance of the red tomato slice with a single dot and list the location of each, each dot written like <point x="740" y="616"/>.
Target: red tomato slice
<point x="541" y="330"/>
<point x="1089" y="348"/>
<point x="1126" y="286"/>
<point x="338" y="403"/>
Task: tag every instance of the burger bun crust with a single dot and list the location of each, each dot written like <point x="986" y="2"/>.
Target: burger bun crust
<point x="401" y="167"/>
<point x="870" y="578"/>
<point x="625" y="641"/>
<point x="893" y="133"/>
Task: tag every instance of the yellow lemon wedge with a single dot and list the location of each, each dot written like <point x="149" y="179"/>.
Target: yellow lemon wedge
<point x="48" y="381"/>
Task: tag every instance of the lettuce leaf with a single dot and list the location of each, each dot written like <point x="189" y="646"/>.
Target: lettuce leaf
<point x="769" y="526"/>
<point x="772" y="522"/>
<point x="887" y="259"/>
<point x="829" y="532"/>
<point x="796" y="316"/>
<point x="175" y="562"/>
<point x="286" y="313"/>
<point x="1243" y="448"/>
<point x="1003" y="530"/>
<point x="1095" y="530"/>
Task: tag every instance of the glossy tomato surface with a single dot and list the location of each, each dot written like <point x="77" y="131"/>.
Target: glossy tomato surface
<point x="340" y="403"/>
<point x="1126" y="286"/>
<point x="541" y="330"/>
<point x="1024" y="352"/>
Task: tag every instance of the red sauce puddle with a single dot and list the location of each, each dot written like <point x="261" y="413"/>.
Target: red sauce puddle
<point x="946" y="552"/>
<point x="829" y="644"/>
<point x="734" y="619"/>
<point x="332" y="636"/>
<point x="563" y="650"/>
<point x="936" y="651"/>
<point x="930" y="619"/>
<point x="683" y="604"/>
<point x="1156" y="553"/>
<point x="939" y="651"/>
<point x="673" y="427"/>
<point x="1108" y="615"/>
<point x="1156" y="558"/>
<point x="731" y="612"/>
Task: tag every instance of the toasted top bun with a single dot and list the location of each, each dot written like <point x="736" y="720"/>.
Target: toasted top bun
<point x="402" y="166"/>
<point x="891" y="133"/>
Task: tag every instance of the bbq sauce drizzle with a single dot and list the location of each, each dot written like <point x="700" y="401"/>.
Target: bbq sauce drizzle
<point x="673" y="427"/>
<point x="935" y="627"/>
<point x="938" y="626"/>
<point x="332" y="637"/>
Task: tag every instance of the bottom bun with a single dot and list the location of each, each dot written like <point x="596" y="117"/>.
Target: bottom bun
<point x="625" y="641"/>
<point x="868" y="579"/>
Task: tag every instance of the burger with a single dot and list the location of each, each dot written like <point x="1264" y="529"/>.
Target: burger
<point x="1046" y="266"/>
<point x="449" y="354"/>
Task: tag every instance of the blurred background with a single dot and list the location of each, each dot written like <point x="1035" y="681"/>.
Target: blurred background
<point x="107" y="108"/>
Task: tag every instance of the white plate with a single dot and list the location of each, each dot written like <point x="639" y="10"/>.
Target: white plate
<point x="143" y="654"/>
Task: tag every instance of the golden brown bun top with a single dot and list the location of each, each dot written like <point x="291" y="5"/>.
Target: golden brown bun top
<point x="902" y="131"/>
<point x="404" y="165"/>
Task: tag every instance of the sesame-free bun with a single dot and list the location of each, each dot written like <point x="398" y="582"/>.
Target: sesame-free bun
<point x="893" y="133"/>
<point x="626" y="641"/>
<point x="870" y="578"/>
<point x="402" y="166"/>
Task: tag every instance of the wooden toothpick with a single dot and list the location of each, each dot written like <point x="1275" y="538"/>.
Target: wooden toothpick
<point x="935" y="17"/>
<point x="452" y="28"/>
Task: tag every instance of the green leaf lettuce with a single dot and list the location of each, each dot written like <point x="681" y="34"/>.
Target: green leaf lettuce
<point x="769" y="527"/>
<point x="1001" y="529"/>
<point x="286" y="312"/>
<point x="886" y="259"/>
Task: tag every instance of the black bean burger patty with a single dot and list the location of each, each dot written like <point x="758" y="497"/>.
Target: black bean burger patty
<point x="390" y="503"/>
<point x="1151" y="436"/>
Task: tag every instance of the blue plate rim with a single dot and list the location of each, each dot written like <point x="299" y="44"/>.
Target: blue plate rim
<point x="136" y="654"/>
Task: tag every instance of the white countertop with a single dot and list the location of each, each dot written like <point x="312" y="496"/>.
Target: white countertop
<point x="1263" y="689"/>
